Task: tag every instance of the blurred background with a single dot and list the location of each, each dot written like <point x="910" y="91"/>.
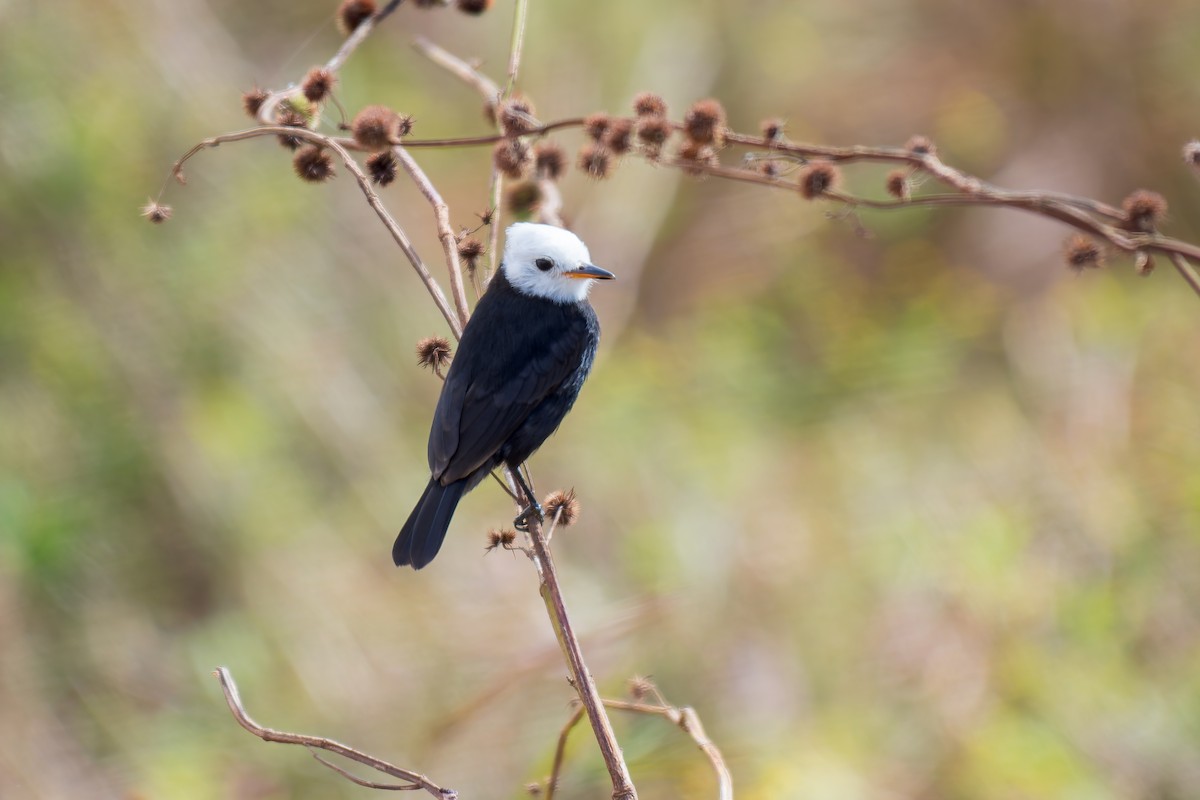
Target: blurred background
<point x="907" y="515"/>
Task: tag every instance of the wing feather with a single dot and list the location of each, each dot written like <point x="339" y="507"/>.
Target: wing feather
<point x="504" y="369"/>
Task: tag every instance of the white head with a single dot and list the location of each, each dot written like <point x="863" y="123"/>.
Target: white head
<point x="545" y="261"/>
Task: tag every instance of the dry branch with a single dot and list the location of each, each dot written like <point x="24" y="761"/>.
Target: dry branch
<point x="685" y="718"/>
<point x="415" y="780"/>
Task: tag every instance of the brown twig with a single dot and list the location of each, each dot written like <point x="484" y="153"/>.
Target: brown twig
<point x="685" y="718"/>
<point x="486" y="87"/>
<point x="416" y="781"/>
<point x="441" y="213"/>
<point x="517" y="45"/>
<point x="364" y="183"/>
<point x="359" y="35"/>
<point x="581" y="677"/>
<point x="1090" y="216"/>
<point x="560" y="752"/>
<point x="1186" y="271"/>
<point x="493" y="97"/>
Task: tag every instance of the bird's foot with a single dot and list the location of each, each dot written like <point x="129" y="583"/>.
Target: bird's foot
<point x="521" y="523"/>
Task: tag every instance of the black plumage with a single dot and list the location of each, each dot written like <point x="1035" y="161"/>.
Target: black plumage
<point x="517" y="371"/>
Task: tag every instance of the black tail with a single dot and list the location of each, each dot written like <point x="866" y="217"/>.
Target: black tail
<point x="421" y="537"/>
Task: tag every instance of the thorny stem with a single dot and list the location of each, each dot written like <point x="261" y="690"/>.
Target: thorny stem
<point x="415" y="779"/>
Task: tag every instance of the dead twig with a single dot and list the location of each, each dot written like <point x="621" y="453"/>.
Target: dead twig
<point x="685" y="718"/>
<point x="416" y="781"/>
<point x="441" y="213"/>
<point x="364" y="183"/>
<point x="580" y="676"/>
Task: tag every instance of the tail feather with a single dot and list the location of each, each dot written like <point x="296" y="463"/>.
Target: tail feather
<point x="421" y="537"/>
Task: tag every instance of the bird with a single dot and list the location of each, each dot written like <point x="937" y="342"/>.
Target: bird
<point x="522" y="359"/>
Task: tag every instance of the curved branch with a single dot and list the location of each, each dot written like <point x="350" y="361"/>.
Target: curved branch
<point x="364" y="183"/>
<point x="415" y="779"/>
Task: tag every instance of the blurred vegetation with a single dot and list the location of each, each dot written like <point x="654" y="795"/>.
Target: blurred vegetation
<point x="908" y="516"/>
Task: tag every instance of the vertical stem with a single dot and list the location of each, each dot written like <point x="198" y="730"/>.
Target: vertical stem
<point x="520" y="14"/>
<point x="518" y="43"/>
<point x="551" y="591"/>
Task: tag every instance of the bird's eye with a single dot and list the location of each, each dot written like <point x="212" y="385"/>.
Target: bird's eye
<point x="544" y="264"/>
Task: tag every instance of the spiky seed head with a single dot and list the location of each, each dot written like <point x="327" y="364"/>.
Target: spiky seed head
<point x="594" y="125"/>
<point x="920" y="146"/>
<point x="512" y="157"/>
<point x="524" y="198"/>
<point x="619" y="137"/>
<point x="313" y="164"/>
<point x="772" y="130"/>
<point x="252" y="101"/>
<point x="353" y="13"/>
<point x="649" y="104"/>
<point x="500" y="538"/>
<point x="486" y="217"/>
<point x="377" y="127"/>
<point x="640" y="687"/>
<point x="382" y="167"/>
<point x="469" y="250"/>
<point x="898" y="185"/>
<point x="705" y="123"/>
<point x="475" y="7"/>
<point x="318" y="83"/>
<point x="550" y="159"/>
<point x="156" y="212"/>
<point x="517" y="116"/>
<point x="768" y="167"/>
<point x="533" y="789"/>
<point x="290" y="118"/>
<point x="1143" y="262"/>
<point x="433" y="352"/>
<point x="653" y="131"/>
<point x="1144" y="210"/>
<point x="564" y="505"/>
<point x="1191" y="152"/>
<point x="595" y="160"/>
<point x="695" y="157"/>
<point x="817" y="178"/>
<point x="1083" y="253"/>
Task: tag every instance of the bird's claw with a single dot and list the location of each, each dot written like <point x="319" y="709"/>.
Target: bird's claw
<point x="521" y="523"/>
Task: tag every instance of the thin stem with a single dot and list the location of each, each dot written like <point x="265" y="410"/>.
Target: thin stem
<point x="364" y="183"/>
<point x="415" y="779"/>
<point x="494" y="98"/>
<point x="459" y="68"/>
<point x="517" y="44"/>
<point x="684" y="718"/>
<point x="359" y="35"/>
<point x="560" y="752"/>
<point x="441" y="213"/>
<point x="581" y="677"/>
<point x="1186" y="271"/>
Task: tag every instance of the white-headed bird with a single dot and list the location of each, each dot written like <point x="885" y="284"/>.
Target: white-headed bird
<point x="523" y="357"/>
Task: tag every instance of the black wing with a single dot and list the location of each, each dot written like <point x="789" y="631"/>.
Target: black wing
<point x="515" y="352"/>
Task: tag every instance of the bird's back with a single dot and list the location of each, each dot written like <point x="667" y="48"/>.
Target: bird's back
<point x="518" y="369"/>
